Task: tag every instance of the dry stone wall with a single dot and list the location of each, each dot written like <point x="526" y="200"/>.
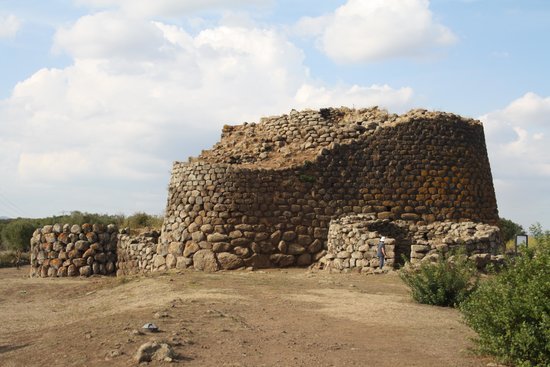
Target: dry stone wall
<point x="136" y="253"/>
<point x="352" y="242"/>
<point x="72" y="250"/>
<point x="265" y="195"/>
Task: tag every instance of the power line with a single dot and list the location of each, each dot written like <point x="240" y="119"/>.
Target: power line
<point x="10" y="206"/>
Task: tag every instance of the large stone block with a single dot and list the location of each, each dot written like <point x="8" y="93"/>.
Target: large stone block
<point x="229" y="261"/>
<point x="205" y="260"/>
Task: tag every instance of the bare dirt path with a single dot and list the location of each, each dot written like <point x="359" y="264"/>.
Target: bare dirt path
<point x="241" y="318"/>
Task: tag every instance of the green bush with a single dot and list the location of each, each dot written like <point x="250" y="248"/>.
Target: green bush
<point x="509" y="229"/>
<point x="13" y="258"/>
<point x="447" y="282"/>
<point x="16" y="235"/>
<point x="142" y="220"/>
<point x="511" y="311"/>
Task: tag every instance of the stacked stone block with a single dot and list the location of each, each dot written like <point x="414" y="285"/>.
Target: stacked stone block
<point x="136" y="253"/>
<point x="420" y="167"/>
<point x="353" y="243"/>
<point x="353" y="240"/>
<point x="481" y="242"/>
<point x="64" y="250"/>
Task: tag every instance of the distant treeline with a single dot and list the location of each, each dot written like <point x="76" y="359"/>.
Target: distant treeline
<point x="15" y="234"/>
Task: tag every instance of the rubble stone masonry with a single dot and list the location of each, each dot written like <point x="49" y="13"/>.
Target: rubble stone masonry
<point x="73" y="250"/>
<point x="265" y="195"/>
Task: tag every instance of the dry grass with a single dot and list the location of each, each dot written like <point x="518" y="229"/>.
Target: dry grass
<point x="263" y="318"/>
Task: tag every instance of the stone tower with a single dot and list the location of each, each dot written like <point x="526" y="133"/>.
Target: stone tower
<point x="266" y="194"/>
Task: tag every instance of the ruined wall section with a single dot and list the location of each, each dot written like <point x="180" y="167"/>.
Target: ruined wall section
<point x="352" y="242"/>
<point x="421" y="167"/>
<point x="136" y="253"/>
<point x="73" y="250"/>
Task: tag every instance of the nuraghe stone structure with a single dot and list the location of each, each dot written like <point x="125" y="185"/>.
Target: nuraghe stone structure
<point x="70" y="250"/>
<point x="284" y="191"/>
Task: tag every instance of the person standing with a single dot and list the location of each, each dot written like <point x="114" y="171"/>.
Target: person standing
<point x="381" y="251"/>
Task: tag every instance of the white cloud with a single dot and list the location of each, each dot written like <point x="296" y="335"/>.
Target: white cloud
<point x="375" y="95"/>
<point x="148" y="8"/>
<point x="110" y="35"/>
<point x="53" y="165"/>
<point x="369" y="30"/>
<point x="519" y="150"/>
<point x="9" y="25"/>
<point x="141" y="94"/>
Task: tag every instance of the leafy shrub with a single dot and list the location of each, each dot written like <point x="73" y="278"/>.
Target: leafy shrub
<point x="509" y="229"/>
<point x="142" y="220"/>
<point x="447" y="282"/>
<point x="10" y="258"/>
<point x="16" y="234"/>
<point x="511" y="311"/>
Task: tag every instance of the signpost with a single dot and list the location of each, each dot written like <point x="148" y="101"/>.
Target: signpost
<point x="522" y="240"/>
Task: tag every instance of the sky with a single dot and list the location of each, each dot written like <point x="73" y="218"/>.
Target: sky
<point x="99" y="97"/>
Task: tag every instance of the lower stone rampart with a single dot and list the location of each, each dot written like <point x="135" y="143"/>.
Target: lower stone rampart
<point x="64" y="250"/>
<point x="352" y="242"/>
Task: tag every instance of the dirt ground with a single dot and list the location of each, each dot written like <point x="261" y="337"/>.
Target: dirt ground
<point x="242" y="318"/>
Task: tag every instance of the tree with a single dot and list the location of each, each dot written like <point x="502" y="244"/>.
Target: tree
<point x="16" y="235"/>
<point x="509" y="229"/>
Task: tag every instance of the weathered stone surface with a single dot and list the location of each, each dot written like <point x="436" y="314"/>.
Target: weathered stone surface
<point x="190" y="249"/>
<point x="258" y="261"/>
<point x="229" y="261"/>
<point x="410" y="216"/>
<point x="50" y="237"/>
<point x="221" y="247"/>
<point x="110" y="267"/>
<point x="295" y="249"/>
<point x="81" y="245"/>
<point x="101" y="257"/>
<point x="289" y="236"/>
<point x="304" y="240"/>
<point x="78" y="262"/>
<point x="282" y="260"/>
<point x="170" y="261"/>
<point x="315" y="247"/>
<point x="55" y="263"/>
<point x="155" y="351"/>
<point x="85" y="271"/>
<point x="276" y="236"/>
<point x="282" y="247"/>
<point x="62" y="271"/>
<point x="217" y="237"/>
<point x="72" y="270"/>
<point x="183" y="262"/>
<point x="242" y="252"/>
<point x="159" y="261"/>
<point x="162" y="249"/>
<point x="303" y="260"/>
<point x="205" y="260"/>
<point x="240" y="242"/>
<point x="175" y="248"/>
